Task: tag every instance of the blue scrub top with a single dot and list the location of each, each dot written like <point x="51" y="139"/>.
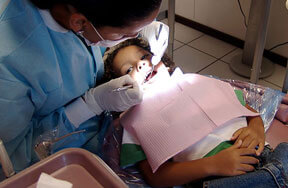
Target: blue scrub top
<point x="42" y="72"/>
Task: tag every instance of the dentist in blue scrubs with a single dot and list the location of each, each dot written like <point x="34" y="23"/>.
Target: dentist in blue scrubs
<point x="50" y="69"/>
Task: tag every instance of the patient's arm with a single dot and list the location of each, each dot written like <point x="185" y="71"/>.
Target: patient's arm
<point x="229" y="162"/>
<point x="253" y="135"/>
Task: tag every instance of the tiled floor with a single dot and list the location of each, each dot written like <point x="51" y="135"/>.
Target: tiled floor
<point x="200" y="53"/>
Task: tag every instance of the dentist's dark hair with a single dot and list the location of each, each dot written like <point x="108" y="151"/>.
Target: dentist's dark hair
<point x="114" y="13"/>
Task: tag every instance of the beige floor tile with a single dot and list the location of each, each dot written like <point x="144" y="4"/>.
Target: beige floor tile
<point x="177" y="44"/>
<point x="221" y="70"/>
<point x="191" y="60"/>
<point x="212" y="46"/>
<point x="183" y="33"/>
<point x="229" y="57"/>
<point x="278" y="76"/>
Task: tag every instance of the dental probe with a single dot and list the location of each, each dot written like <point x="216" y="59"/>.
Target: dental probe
<point x="122" y="88"/>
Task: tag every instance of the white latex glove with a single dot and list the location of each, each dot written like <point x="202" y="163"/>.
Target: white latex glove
<point x="157" y="35"/>
<point x="103" y="97"/>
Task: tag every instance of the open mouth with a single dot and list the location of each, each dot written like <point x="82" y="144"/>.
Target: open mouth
<point x="150" y="75"/>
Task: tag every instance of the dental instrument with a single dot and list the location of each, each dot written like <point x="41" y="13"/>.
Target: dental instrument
<point x="122" y="88"/>
<point x="43" y="148"/>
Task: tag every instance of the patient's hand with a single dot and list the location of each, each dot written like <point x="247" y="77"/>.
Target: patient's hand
<point x="252" y="136"/>
<point x="234" y="160"/>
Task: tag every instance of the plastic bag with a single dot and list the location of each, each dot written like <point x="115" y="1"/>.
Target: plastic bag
<point x="90" y="136"/>
<point x="111" y="155"/>
<point x="264" y="100"/>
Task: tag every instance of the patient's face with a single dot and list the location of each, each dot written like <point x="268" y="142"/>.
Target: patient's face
<point x="136" y="62"/>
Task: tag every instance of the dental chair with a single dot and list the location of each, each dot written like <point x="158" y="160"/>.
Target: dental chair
<point x="270" y="103"/>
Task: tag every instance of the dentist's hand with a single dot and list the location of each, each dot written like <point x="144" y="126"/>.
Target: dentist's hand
<point x="103" y="97"/>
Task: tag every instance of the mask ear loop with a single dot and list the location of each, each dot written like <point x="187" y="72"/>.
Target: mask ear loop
<point x="97" y="32"/>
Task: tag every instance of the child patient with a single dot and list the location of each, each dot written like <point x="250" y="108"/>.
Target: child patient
<point x="226" y="165"/>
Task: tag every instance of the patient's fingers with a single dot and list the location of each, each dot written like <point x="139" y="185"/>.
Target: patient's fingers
<point x="240" y="172"/>
<point x="247" y="151"/>
<point x="246" y="167"/>
<point x="260" y="149"/>
<point x="247" y="141"/>
<point x="236" y="145"/>
<point x="243" y="135"/>
<point x="253" y="144"/>
<point x="236" y="134"/>
<point x="256" y="143"/>
<point x="249" y="160"/>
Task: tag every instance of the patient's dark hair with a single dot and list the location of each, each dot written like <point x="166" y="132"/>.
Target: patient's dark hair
<point x="111" y="53"/>
<point x="114" y="13"/>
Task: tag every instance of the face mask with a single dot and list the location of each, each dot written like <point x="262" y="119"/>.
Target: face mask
<point x="110" y="43"/>
<point x="103" y="42"/>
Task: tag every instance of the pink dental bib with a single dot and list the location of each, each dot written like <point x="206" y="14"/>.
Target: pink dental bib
<point x="174" y="116"/>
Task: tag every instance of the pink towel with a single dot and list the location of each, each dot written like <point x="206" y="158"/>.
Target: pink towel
<point x="180" y="114"/>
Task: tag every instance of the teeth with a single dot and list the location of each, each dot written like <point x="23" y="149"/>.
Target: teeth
<point x="147" y="76"/>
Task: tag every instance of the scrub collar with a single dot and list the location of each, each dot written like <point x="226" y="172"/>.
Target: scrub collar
<point x="50" y="21"/>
